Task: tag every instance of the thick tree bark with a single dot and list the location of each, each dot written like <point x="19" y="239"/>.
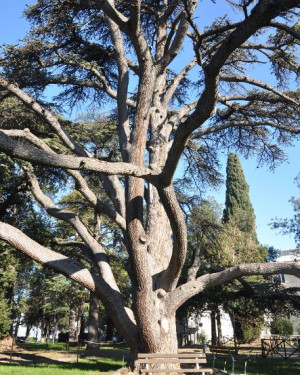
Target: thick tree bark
<point x="72" y="324"/>
<point x="93" y="323"/>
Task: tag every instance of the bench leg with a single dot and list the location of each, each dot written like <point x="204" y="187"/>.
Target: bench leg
<point x="233" y="360"/>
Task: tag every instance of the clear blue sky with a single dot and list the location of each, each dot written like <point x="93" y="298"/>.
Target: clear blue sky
<point x="269" y="191"/>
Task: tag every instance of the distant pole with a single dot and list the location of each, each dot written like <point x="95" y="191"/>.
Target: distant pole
<point x="77" y="350"/>
<point x="11" y="350"/>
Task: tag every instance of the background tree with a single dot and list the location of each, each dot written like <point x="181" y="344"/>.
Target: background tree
<point x="238" y="206"/>
<point x="7" y="279"/>
<point x="242" y="246"/>
<point x="126" y="52"/>
<point x="220" y="244"/>
<point x="281" y="326"/>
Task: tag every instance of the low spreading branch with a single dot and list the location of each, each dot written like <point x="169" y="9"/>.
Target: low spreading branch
<point x="181" y="294"/>
<point x="81" y="184"/>
<point x="75" y="271"/>
<point x="26" y="152"/>
<point x="49" y="118"/>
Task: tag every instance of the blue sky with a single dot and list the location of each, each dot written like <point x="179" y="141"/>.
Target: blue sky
<point x="270" y="191"/>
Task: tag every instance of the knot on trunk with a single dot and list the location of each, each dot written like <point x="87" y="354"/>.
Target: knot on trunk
<point x="161" y="293"/>
<point x="164" y="323"/>
<point x="143" y="238"/>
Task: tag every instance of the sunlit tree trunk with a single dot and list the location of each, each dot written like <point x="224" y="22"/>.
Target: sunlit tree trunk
<point x="93" y="323"/>
<point x="72" y="324"/>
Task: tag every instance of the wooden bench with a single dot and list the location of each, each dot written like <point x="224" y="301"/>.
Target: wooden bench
<point x="225" y="353"/>
<point x="158" y="363"/>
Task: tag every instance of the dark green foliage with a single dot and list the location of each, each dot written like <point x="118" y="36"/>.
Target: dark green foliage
<point x="205" y="229"/>
<point x="5" y="321"/>
<point x="247" y="316"/>
<point x="49" y="299"/>
<point x="237" y="203"/>
<point x="7" y="279"/>
<point x="8" y="274"/>
<point x="221" y="244"/>
<point x="281" y="326"/>
<point x="272" y="254"/>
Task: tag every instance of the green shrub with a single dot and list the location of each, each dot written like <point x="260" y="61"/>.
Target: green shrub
<point x="4" y="317"/>
<point x="282" y="326"/>
<point x="251" y="332"/>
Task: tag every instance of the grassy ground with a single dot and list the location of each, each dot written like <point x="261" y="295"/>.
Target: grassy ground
<point x="86" y="367"/>
<point x="53" y="359"/>
<point x="89" y="367"/>
<point x="270" y="366"/>
<point x="42" y="359"/>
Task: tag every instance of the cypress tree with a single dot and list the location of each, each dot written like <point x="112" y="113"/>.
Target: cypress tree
<point x="238" y="206"/>
<point x="239" y="213"/>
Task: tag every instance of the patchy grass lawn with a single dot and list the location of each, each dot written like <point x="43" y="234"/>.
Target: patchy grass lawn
<point x="84" y="367"/>
<point x="272" y="366"/>
<point x="52" y="359"/>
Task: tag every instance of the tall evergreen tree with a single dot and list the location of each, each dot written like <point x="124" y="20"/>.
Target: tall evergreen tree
<point x="239" y="221"/>
<point x="238" y="205"/>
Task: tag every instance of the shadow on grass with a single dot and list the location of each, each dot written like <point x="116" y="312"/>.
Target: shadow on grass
<point x="270" y="366"/>
<point x="101" y="366"/>
<point x="112" y="351"/>
<point x="30" y="358"/>
<point x="42" y="347"/>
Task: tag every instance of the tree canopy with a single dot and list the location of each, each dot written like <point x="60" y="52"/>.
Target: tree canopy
<point x="179" y="89"/>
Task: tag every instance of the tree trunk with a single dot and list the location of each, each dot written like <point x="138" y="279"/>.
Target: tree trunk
<point x="219" y="326"/>
<point x="165" y="341"/>
<point x="93" y="337"/>
<point x="213" y="327"/>
<point x="81" y="325"/>
<point x="44" y="332"/>
<point x="72" y="324"/>
<point x="28" y="329"/>
<point x="237" y="327"/>
<point x="109" y="329"/>
<point x="16" y="329"/>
